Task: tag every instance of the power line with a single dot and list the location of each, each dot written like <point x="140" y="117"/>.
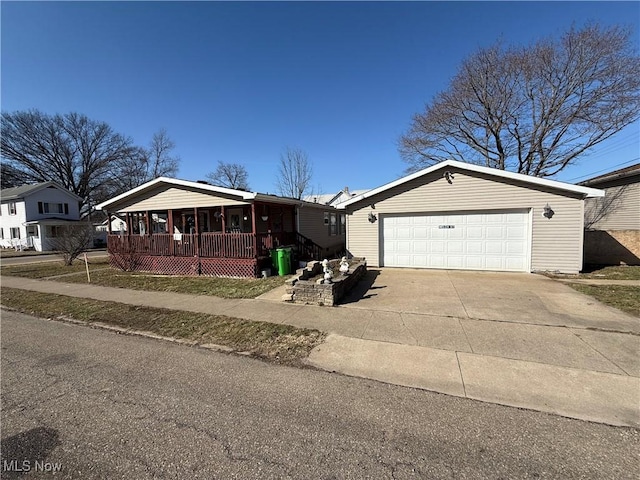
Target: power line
<point x="604" y="170"/>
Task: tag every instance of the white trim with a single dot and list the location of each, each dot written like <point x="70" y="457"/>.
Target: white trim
<point x="183" y="183"/>
<point x="586" y="191"/>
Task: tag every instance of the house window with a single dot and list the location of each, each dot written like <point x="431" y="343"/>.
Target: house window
<point x="333" y="224"/>
<point x="15" y="232"/>
<point x="326" y="218"/>
<point x="32" y="231"/>
<point x="1" y="233"/>
<point x="55" y="231"/>
<point x="12" y="209"/>
<point x="47" y="207"/>
<point x="343" y="224"/>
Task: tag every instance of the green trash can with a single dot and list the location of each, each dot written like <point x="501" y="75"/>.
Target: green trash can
<point x="284" y="261"/>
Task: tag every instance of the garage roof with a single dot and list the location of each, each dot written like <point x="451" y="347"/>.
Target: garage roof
<point x="586" y="191"/>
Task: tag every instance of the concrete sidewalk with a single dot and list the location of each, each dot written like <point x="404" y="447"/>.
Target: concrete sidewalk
<point x="563" y="369"/>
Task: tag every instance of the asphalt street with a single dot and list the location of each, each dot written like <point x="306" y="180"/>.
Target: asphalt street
<point x="95" y="404"/>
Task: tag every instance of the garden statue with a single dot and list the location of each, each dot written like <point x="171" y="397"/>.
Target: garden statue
<point x="344" y="266"/>
<point x="328" y="274"/>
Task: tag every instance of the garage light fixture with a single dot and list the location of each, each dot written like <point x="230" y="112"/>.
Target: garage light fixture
<point x="372" y="217"/>
<point x="448" y="176"/>
<point x="548" y="211"/>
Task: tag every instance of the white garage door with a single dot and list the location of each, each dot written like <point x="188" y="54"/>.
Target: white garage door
<point x="469" y="241"/>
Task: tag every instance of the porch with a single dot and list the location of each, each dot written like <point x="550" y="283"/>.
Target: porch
<point x="218" y="241"/>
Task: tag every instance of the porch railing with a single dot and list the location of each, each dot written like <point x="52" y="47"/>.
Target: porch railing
<point x="209" y="245"/>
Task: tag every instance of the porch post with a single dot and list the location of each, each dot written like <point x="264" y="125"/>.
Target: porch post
<point x="253" y="229"/>
<point x="170" y="230"/>
<point x="108" y="223"/>
<point x="195" y="213"/>
<point x="148" y="222"/>
<point x="129" y="224"/>
<point x="224" y="221"/>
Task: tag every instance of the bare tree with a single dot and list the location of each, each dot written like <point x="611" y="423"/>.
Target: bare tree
<point x="78" y="153"/>
<point x="230" y="175"/>
<point x="71" y="240"/>
<point x="84" y="156"/>
<point x="294" y="173"/>
<point x="534" y="110"/>
<point x="144" y="164"/>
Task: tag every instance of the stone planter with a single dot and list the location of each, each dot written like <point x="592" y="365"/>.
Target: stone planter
<point x="308" y="286"/>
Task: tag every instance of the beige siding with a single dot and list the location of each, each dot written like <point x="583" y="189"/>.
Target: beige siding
<point x="618" y="210"/>
<point x="556" y="242"/>
<point x="311" y="225"/>
<point x="166" y="197"/>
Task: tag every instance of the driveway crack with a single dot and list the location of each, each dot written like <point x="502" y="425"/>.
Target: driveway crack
<point x="458" y="294"/>
<point x="464" y="387"/>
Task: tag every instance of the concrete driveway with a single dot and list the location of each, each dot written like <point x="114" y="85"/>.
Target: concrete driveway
<point x="504" y="297"/>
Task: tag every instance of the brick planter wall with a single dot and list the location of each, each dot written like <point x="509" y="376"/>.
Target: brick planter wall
<point x="303" y="288"/>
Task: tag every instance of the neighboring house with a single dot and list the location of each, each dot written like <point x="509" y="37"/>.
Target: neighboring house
<point x="118" y="224"/>
<point x="32" y="215"/>
<point x="334" y="199"/>
<point x="181" y="227"/>
<point x="456" y="215"/>
<point x="115" y="224"/>
<point x="612" y="223"/>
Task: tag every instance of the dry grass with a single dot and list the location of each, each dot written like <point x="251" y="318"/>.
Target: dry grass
<point x="279" y="343"/>
<point x="622" y="297"/>
<point x="214" y="286"/>
<point x="104" y="276"/>
<point x="621" y="272"/>
<point x="51" y="269"/>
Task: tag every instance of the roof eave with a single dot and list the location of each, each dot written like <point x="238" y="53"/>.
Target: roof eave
<point x="174" y="181"/>
<point x="586" y="191"/>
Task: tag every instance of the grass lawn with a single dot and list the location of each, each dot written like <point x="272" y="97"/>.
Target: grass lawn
<point x="279" y="343"/>
<point x="622" y="297"/>
<point x="605" y="273"/>
<point x="50" y="269"/>
<point x="102" y="275"/>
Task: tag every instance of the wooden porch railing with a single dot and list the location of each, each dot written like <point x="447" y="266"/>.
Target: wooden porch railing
<point x="209" y="245"/>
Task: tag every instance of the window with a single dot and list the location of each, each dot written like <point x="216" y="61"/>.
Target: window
<point x="343" y="224"/>
<point x="47" y="207"/>
<point x="333" y="224"/>
<point x="1" y="233"/>
<point x="12" y="209"/>
<point x="15" y="232"/>
<point x="326" y="218"/>
<point x="55" y="231"/>
<point x="32" y="231"/>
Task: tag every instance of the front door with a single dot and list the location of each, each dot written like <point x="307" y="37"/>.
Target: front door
<point x="235" y="220"/>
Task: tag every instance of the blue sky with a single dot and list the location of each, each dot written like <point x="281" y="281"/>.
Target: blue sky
<point x="239" y="81"/>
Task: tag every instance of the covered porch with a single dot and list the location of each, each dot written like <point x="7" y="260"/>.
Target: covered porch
<point x="224" y="240"/>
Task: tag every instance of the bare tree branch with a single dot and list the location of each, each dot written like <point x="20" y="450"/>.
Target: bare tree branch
<point x="230" y="175"/>
<point x="294" y="174"/>
<point x="533" y="110"/>
<point x="84" y="156"/>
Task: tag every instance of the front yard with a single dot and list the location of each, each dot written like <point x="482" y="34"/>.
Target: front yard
<point x="103" y="275"/>
<point x="622" y="297"/>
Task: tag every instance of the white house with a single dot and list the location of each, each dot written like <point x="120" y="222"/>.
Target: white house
<point x="334" y="199"/>
<point x="31" y="215"/>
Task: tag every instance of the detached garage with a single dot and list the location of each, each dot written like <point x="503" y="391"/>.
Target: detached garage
<point x="455" y="215"/>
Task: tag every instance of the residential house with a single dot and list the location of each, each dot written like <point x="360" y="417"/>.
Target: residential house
<point x="333" y="199"/>
<point x="182" y="227"/>
<point x="31" y="216"/>
<point x="456" y="215"/>
<point x="612" y="223"/>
